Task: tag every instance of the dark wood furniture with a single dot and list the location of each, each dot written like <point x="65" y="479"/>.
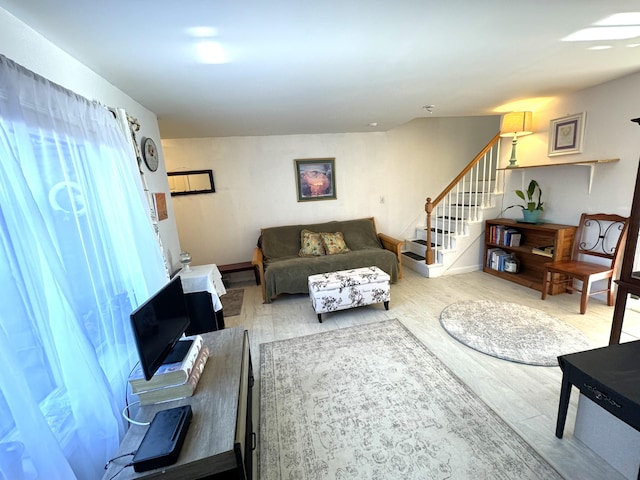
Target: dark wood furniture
<point x="609" y="376"/>
<point x="600" y="238"/>
<point x="220" y="439"/>
<point x="629" y="282"/>
<point x="240" y="267"/>
<point x="531" y="269"/>
<point x="202" y="314"/>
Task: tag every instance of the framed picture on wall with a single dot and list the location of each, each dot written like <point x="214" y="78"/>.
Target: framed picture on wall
<point x="315" y="179"/>
<point x="566" y="134"/>
<point x="160" y="204"/>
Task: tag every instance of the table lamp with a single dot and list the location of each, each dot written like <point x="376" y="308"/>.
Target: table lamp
<point x="516" y="124"/>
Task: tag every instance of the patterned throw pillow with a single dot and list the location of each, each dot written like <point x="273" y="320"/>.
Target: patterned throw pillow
<point x="311" y="244"/>
<point x="334" y="243"/>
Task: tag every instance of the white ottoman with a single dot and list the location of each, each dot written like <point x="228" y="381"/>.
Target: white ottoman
<point x="348" y="288"/>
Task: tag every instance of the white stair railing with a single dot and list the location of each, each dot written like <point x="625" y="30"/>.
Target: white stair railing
<point x="461" y="201"/>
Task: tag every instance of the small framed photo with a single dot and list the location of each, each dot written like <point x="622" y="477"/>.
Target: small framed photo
<point x="160" y="205"/>
<point x="316" y="179"/>
<point x="566" y="134"/>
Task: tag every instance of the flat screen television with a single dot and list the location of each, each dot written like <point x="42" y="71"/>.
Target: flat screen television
<point x="158" y="325"/>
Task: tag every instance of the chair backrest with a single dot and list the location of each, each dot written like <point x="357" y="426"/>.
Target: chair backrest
<point x="601" y="235"/>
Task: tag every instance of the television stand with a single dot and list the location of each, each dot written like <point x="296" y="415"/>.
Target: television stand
<point x="220" y="441"/>
<point x="178" y="352"/>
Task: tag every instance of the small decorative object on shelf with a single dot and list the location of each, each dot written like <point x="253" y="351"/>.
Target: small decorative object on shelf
<point x="185" y="260"/>
<point x="511" y="264"/>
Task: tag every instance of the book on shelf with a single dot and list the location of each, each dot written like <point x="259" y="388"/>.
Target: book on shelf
<point x="546" y="251"/>
<point x="182" y="390"/>
<point x="507" y="236"/>
<point x="503" y="235"/>
<point x="170" y="373"/>
<point x="497" y="259"/>
<point x="490" y="252"/>
<point x="515" y="239"/>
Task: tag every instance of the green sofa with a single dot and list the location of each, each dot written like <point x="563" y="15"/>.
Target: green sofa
<point x="283" y="270"/>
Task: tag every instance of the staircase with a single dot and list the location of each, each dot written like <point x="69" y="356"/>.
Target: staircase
<point x="450" y="240"/>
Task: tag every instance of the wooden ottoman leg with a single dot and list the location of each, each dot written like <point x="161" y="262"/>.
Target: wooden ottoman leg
<point x="386" y="305"/>
<point x="320" y="317"/>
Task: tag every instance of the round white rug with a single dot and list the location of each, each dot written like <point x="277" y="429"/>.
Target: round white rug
<point x="512" y="332"/>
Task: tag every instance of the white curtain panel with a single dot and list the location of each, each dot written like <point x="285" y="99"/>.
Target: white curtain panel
<point x="77" y="255"/>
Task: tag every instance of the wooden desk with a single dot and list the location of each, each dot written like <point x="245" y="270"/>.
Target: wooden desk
<point x="609" y="376"/>
<point x="219" y="439"/>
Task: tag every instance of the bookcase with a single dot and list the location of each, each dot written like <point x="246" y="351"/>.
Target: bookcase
<point x="532" y="236"/>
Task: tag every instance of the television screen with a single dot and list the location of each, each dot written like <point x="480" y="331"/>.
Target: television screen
<point x="158" y="324"/>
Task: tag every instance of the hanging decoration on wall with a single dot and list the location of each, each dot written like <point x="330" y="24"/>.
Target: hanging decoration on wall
<point x="160" y="204"/>
<point x="150" y="154"/>
<point x="316" y="179"/>
<point x="566" y="134"/>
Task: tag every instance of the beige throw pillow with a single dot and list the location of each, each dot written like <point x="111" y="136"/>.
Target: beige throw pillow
<point x="311" y="244"/>
<point x="334" y="243"/>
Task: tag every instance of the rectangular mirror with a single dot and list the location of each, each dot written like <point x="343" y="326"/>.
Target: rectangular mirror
<point x="191" y="182"/>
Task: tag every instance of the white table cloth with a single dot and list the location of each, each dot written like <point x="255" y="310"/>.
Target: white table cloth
<point x="204" y="278"/>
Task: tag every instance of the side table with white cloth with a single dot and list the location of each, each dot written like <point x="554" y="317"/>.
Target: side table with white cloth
<point x="202" y="286"/>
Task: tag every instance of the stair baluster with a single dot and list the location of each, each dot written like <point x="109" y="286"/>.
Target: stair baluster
<point x="453" y="210"/>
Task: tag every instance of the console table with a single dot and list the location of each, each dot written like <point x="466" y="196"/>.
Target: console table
<point x="220" y="438"/>
<point x="609" y="376"/>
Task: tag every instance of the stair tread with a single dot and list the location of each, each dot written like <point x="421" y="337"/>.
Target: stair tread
<point x="423" y="242"/>
<point x="414" y="256"/>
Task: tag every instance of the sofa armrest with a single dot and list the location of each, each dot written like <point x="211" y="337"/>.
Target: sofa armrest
<point x="258" y="261"/>
<point x="393" y="245"/>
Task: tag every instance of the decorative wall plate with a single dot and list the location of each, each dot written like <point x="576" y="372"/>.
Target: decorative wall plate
<point x="150" y="154"/>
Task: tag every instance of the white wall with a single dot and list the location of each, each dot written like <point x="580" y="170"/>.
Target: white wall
<point x="385" y="175"/>
<point x="25" y="46"/>
<point x="609" y="133"/>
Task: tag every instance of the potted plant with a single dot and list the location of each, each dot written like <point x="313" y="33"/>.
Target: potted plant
<point x="530" y="211"/>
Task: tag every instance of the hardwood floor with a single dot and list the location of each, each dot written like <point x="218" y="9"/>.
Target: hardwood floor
<point x="525" y="396"/>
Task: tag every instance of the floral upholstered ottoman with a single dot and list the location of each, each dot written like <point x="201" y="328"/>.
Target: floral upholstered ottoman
<point x="348" y="288"/>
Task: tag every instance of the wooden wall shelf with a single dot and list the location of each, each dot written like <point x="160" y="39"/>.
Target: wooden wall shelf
<point x="585" y="163"/>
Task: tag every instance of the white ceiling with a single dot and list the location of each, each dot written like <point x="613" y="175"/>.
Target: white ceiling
<point x="332" y="65"/>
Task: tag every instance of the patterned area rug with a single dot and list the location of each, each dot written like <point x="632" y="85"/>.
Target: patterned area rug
<point x="512" y="332"/>
<point x="232" y="302"/>
<point x="372" y="402"/>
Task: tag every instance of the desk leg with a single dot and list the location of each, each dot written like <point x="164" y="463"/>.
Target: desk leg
<point x="220" y="319"/>
<point x="565" y="394"/>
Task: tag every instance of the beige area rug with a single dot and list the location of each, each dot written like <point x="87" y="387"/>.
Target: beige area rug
<point x="232" y="302"/>
<point x="373" y="402"/>
<point x="512" y="332"/>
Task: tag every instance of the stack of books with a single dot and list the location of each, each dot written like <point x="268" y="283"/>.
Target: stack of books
<point x="503" y="235"/>
<point x="174" y="380"/>
<point x="546" y="251"/>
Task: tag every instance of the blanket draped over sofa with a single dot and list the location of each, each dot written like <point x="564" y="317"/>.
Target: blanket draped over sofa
<point x="283" y="270"/>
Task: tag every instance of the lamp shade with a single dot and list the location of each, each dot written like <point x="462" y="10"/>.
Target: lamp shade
<point x="516" y="123"/>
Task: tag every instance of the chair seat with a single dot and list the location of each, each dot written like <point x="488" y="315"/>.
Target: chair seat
<point x="577" y="269"/>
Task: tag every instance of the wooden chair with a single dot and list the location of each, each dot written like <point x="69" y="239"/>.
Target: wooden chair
<point x="600" y="237"/>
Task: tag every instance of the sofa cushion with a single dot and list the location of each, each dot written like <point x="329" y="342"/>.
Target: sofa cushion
<point x="311" y="244"/>
<point x="333" y="243"/>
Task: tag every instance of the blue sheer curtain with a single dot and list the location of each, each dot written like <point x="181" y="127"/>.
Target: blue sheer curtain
<point x="77" y="254"/>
